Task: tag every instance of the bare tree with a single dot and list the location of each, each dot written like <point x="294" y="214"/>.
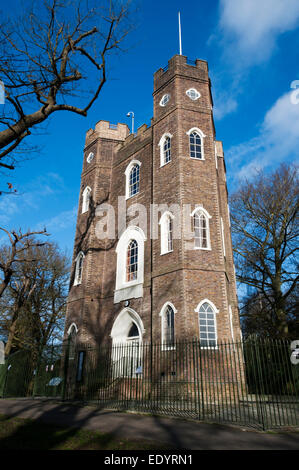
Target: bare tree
<point x="12" y="254"/>
<point x="265" y="235"/>
<point x="33" y="308"/>
<point x="55" y="59"/>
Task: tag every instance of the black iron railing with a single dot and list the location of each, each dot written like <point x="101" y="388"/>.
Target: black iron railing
<point x="252" y="382"/>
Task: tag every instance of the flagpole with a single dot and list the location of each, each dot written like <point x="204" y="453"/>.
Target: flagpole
<point x="180" y="34"/>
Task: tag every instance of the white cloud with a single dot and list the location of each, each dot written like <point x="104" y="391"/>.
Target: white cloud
<point x="247" y="33"/>
<point x="277" y="141"/>
<point x="251" y="27"/>
<point x="60" y="221"/>
<point x="8" y="207"/>
<point x="224" y="105"/>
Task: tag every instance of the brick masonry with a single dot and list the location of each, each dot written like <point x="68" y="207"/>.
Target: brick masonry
<point x="183" y="277"/>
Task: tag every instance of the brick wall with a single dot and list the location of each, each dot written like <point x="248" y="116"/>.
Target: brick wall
<point x="185" y="276"/>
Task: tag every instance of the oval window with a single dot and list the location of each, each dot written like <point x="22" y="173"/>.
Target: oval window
<point x="90" y="157"/>
<point x="193" y="94"/>
<point x="164" y="100"/>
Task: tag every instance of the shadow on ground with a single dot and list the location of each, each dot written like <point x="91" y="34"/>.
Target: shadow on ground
<point x="159" y="432"/>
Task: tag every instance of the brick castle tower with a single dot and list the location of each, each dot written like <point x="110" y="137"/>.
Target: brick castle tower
<point x="149" y="284"/>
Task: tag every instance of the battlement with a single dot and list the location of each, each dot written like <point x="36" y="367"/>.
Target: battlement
<point x="180" y="64"/>
<point x="107" y="130"/>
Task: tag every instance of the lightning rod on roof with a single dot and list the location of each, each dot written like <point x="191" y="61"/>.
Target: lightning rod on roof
<point x="180" y="34"/>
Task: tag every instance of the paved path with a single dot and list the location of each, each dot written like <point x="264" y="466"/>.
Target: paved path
<point x="181" y="434"/>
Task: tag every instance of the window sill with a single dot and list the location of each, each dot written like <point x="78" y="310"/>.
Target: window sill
<point x="204" y="249"/>
<point x="164" y="164"/>
<point x="128" y="291"/>
<point x="130" y="197"/>
<point x="199" y="159"/>
<point x="166" y="252"/>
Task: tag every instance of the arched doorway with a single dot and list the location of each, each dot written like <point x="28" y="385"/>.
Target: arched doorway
<point x="126" y="334"/>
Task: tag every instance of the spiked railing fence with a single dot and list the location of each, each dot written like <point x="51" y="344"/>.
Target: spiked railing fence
<point x="252" y="382"/>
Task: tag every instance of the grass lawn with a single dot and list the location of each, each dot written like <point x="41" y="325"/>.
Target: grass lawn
<point x="17" y="433"/>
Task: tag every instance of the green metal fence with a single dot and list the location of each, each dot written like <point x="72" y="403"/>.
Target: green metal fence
<point x="252" y="383"/>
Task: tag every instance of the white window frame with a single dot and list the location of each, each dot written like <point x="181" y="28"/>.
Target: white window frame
<point x="202" y="136"/>
<point x="164" y="232"/>
<point x="231" y="322"/>
<point x="126" y="360"/>
<point x="200" y="210"/>
<point x="77" y="280"/>
<point x="222" y="236"/>
<point x="129" y="289"/>
<point x="86" y="195"/>
<point x="166" y="97"/>
<point x="127" y="174"/>
<point x="73" y="325"/>
<point x="161" y="145"/>
<point x="228" y="213"/>
<point x="191" y="90"/>
<point x="215" y="311"/>
<point x="72" y="337"/>
<point x="90" y="157"/>
<point x="216" y="156"/>
<point x="162" y="314"/>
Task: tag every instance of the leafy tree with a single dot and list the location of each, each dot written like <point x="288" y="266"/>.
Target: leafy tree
<point x="265" y="232"/>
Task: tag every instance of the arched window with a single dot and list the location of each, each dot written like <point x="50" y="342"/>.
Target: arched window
<point x="166" y="224"/>
<point x="195" y="145"/>
<point x="133" y="332"/>
<point x="207" y="324"/>
<point x="196" y="137"/>
<point x="132" y="178"/>
<point x="79" y="269"/>
<point x="132" y="261"/>
<point x="126" y="353"/>
<point x="134" y="181"/>
<point x="130" y="264"/>
<point x="167" y="323"/>
<point x="86" y="199"/>
<point x="165" y="149"/>
<point x="200" y="220"/>
<point x="72" y="333"/>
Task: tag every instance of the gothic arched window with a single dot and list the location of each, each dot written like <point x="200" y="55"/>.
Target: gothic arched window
<point x="72" y="333"/>
<point x="200" y="218"/>
<point x="132" y="178"/>
<point x="196" y="148"/>
<point x="207" y="324"/>
<point x="165" y="149"/>
<point x="134" y="181"/>
<point x="195" y="145"/>
<point x="130" y="264"/>
<point x="166" y="224"/>
<point x="79" y="268"/>
<point x="132" y="261"/>
<point x="86" y="199"/>
<point x="167" y="322"/>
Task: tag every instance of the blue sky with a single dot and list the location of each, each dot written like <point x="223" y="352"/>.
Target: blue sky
<point x="252" y="49"/>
